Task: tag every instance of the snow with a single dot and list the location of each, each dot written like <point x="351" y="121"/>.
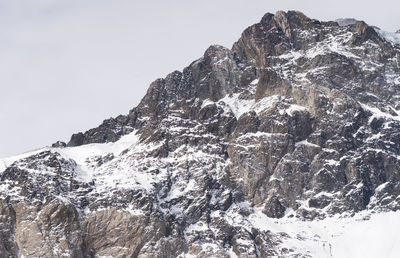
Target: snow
<point x="177" y="192"/>
<point x="116" y="172"/>
<point x="376" y="112"/>
<point x="3" y="165"/>
<point x="293" y="108"/>
<point x="265" y="103"/>
<point x="332" y="162"/>
<point x="236" y="105"/>
<point x="305" y="142"/>
<point x="207" y="102"/>
<point x="231" y="253"/>
<point x="80" y="154"/>
<point x="6" y="162"/>
<point x="133" y="211"/>
<point x="258" y="134"/>
<point x="363" y="235"/>
<point x="378" y="234"/>
<point x="333" y="44"/>
<point x="391" y="37"/>
<point x="381" y="187"/>
<point x="254" y="82"/>
<point x="233" y="103"/>
<point x="199" y="226"/>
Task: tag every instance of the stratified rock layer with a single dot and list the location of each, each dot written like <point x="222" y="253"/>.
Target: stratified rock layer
<point x="301" y="118"/>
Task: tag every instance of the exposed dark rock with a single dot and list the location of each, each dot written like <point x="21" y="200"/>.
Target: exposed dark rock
<point x="109" y="131"/>
<point x="59" y="144"/>
<point x="274" y="208"/>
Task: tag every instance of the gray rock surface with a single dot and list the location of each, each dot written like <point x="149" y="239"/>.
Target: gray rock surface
<point x="300" y="118"/>
<point x="346" y="21"/>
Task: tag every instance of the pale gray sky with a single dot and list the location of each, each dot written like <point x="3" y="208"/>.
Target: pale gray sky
<point x="66" y="65"/>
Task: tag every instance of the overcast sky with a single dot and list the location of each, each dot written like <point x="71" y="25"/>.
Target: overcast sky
<point x="66" y="65"/>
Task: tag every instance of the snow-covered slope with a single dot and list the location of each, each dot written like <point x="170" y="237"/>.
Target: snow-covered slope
<point x="364" y="235"/>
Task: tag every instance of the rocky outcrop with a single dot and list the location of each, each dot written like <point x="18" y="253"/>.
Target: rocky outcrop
<point x="59" y="144"/>
<point x="109" y="131"/>
<point x="300" y="119"/>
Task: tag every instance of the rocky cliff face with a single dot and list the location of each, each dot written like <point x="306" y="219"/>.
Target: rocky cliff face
<point x="300" y="120"/>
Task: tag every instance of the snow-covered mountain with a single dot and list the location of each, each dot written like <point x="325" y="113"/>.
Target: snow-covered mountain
<point x="286" y="145"/>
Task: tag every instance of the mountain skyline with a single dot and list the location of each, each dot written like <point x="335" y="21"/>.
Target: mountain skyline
<point x="68" y="65"/>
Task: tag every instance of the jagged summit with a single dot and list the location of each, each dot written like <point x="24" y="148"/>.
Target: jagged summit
<point x="274" y="35"/>
<point x="240" y="154"/>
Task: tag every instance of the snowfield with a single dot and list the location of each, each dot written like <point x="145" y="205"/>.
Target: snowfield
<point x="364" y="235"/>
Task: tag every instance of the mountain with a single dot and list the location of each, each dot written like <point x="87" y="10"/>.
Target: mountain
<point x="287" y="144"/>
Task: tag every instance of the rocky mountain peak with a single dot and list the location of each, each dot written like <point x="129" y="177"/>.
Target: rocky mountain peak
<point x="285" y="21"/>
<point x="298" y="121"/>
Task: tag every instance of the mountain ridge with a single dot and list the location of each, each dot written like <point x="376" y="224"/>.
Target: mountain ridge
<point x="124" y="120"/>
